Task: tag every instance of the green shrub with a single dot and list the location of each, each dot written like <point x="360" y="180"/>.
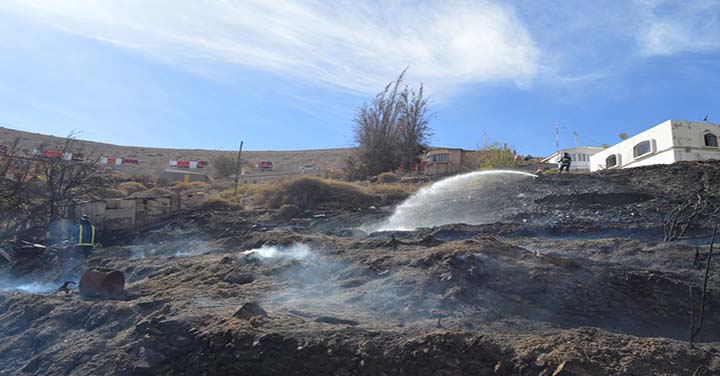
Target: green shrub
<point x="223" y="166"/>
<point x="496" y="157"/>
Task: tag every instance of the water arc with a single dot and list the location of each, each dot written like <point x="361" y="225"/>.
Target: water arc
<point x="472" y="198"/>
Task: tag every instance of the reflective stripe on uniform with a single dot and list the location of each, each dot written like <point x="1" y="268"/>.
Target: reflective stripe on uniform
<point x="92" y="236"/>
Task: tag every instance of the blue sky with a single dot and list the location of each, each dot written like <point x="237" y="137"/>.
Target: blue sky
<point x="291" y="74"/>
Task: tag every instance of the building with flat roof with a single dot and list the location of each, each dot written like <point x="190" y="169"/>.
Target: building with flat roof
<point x="668" y="142"/>
<point x="445" y="161"/>
<point x="580" y="157"/>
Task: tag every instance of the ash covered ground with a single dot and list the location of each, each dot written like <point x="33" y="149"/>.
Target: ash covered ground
<point x="567" y="275"/>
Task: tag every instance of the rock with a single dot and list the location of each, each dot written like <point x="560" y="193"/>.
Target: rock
<point x="239" y="278"/>
<point x="249" y="310"/>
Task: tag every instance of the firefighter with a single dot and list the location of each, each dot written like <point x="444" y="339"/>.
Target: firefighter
<point x="85" y="236"/>
<point x="565" y="162"/>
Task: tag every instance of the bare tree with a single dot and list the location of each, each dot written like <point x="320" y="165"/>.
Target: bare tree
<point x="14" y="194"/>
<point x="67" y="180"/>
<point x="697" y="314"/>
<point x="682" y="216"/>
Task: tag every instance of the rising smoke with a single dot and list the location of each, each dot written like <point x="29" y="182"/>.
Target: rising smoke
<point x="28" y="287"/>
<point x="295" y="251"/>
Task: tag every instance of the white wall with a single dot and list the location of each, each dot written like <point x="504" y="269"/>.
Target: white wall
<point x="671" y="141"/>
<point x="689" y="139"/>
<point x="580" y="157"/>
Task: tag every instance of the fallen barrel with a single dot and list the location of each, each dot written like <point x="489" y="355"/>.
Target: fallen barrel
<point x="102" y="283"/>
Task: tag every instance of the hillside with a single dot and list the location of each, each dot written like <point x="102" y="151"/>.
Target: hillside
<point x="557" y="275"/>
<point x="154" y="160"/>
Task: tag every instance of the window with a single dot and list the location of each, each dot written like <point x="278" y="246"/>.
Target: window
<point x="439" y="158"/>
<point x="641" y="149"/>
<point x="711" y="140"/>
<point x="611" y="161"/>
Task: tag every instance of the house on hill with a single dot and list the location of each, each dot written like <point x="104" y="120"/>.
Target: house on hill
<point x="666" y="143"/>
<point x="580" y="157"/>
<point x="444" y="161"/>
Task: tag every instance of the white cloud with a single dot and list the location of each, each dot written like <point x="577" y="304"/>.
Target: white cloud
<point x="669" y="27"/>
<point x="350" y="45"/>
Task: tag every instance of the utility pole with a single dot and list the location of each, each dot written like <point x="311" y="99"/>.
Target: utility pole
<point x="577" y="145"/>
<point x="485" y="145"/>
<point x="237" y="168"/>
<point x="557" y="135"/>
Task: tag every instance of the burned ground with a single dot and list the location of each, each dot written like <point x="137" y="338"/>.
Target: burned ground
<point x="552" y="289"/>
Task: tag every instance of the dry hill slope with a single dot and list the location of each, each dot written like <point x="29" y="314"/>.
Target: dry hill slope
<point x="154" y="160"/>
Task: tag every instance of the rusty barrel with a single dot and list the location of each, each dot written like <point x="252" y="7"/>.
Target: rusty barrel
<point x="102" y="283"/>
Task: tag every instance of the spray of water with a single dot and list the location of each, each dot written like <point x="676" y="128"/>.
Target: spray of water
<point x="472" y="198"/>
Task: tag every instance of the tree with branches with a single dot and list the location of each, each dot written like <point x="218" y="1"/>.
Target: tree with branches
<point x="65" y="182"/>
<point x="37" y="190"/>
<point x="15" y="197"/>
<point x="390" y="130"/>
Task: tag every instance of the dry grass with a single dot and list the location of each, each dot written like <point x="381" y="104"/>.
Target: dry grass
<point x="243" y="190"/>
<point x="387" y="177"/>
<point x="155" y="192"/>
<point x="189" y="187"/>
<point x="312" y="192"/>
<point x="219" y="203"/>
<point x="132" y="187"/>
<point x="107" y="193"/>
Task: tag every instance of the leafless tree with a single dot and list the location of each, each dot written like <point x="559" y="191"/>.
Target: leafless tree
<point x="14" y="193"/>
<point x="389" y="129"/>
<point x="37" y="189"/>
<point x="68" y="180"/>
<point x="697" y="309"/>
<point x="679" y="219"/>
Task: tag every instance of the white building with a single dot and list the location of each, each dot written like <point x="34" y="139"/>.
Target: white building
<point x="665" y="143"/>
<point x="580" y="157"/>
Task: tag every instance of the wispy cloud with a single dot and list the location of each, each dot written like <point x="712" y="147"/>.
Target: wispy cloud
<point x="355" y="46"/>
<point x="669" y="27"/>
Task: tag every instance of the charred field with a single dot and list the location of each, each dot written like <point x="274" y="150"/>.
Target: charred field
<point x="567" y="275"/>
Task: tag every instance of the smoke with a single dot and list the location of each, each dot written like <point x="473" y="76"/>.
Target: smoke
<point x="177" y="248"/>
<point x="316" y="283"/>
<point x="295" y="251"/>
<point x="43" y="288"/>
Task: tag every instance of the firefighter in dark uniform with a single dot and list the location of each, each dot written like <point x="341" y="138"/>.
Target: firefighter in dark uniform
<point x="85" y="236"/>
<point x="565" y="162"/>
